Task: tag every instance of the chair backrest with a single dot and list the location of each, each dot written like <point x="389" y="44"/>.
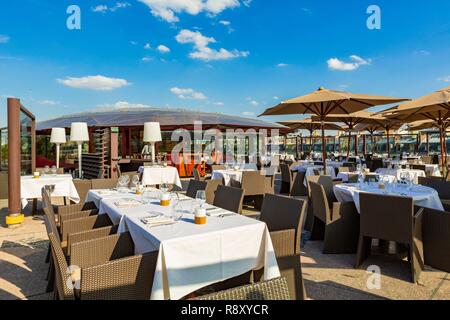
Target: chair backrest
<point x="104" y="183"/>
<point x="344" y="169"/>
<point x="376" y="164"/>
<point x="194" y="186"/>
<point x="275" y="289"/>
<point x="62" y="275"/>
<point x="418" y="167"/>
<point x="196" y="174"/>
<point x="284" y="213"/>
<point x="83" y="187"/>
<point x="436" y="239"/>
<point x="327" y="183"/>
<point x="285" y="173"/>
<point x="441" y="186"/>
<point x="386" y="217"/>
<point x="255" y="183"/>
<point x="3" y="185"/>
<point x="215" y="167"/>
<point x="321" y="207"/>
<point x="349" y="164"/>
<point x="50" y="219"/>
<point x="211" y="187"/>
<point x="426" y="159"/>
<point x="299" y="188"/>
<point x="229" y="198"/>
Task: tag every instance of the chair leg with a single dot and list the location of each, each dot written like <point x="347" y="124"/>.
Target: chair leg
<point x="50" y="277"/>
<point x="317" y="230"/>
<point x="364" y="246"/>
<point x="49" y="254"/>
<point x="285" y="187"/>
<point x="416" y="261"/>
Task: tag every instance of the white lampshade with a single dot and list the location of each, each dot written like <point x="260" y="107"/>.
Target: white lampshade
<point x="58" y="136"/>
<point x="79" y="132"/>
<point x="152" y="132"/>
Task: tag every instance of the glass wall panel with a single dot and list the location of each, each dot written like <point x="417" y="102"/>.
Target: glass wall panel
<point x="26" y="135"/>
<point x="4" y="150"/>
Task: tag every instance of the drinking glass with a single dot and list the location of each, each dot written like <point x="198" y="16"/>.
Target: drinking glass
<point x="135" y="181"/>
<point x="201" y="197"/>
<point x="176" y="209"/>
<point x="54" y="170"/>
<point x="46" y="169"/>
<point x="164" y="187"/>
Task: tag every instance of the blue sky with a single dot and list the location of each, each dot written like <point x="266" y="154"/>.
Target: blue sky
<point x="229" y="56"/>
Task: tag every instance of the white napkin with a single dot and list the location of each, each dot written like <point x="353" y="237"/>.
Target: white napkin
<point x="216" y="212"/>
<point x="157" y="220"/>
<point x="127" y="203"/>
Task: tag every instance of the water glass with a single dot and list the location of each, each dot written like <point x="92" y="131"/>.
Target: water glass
<point x="54" y="170"/>
<point x="201" y="197"/>
<point x="46" y="169"/>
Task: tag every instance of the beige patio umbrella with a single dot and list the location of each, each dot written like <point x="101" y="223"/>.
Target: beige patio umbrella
<point x="310" y="126"/>
<point x="324" y="102"/>
<point x="435" y="107"/>
<point x="351" y="121"/>
<point x="426" y="124"/>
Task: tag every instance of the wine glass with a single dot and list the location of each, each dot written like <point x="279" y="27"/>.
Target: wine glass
<point x="135" y="181"/>
<point x="54" y="170"/>
<point x="176" y="209"/>
<point x="46" y="169"/>
<point x="164" y="187"/>
<point x="201" y="197"/>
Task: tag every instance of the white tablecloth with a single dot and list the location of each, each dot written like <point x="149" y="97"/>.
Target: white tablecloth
<point x="345" y="175"/>
<point x="193" y="256"/>
<point x="31" y="188"/>
<point x="96" y="196"/>
<point x="228" y="174"/>
<point x="423" y="196"/>
<point x="430" y="169"/>
<point x="309" y="171"/>
<point x="396" y="173"/>
<point x="152" y="176"/>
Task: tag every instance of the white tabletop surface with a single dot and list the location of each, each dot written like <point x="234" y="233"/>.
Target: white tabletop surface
<point x="397" y="173"/>
<point x="193" y="256"/>
<point x="31" y="188"/>
<point x="229" y="174"/>
<point x="156" y="175"/>
<point x="423" y="196"/>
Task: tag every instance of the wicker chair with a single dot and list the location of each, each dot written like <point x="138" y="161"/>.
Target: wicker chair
<point x="104" y="183"/>
<point x="284" y="217"/>
<point x="435" y="238"/>
<point x="229" y="198"/>
<point x="418" y="167"/>
<point x="286" y="178"/>
<point x="441" y="186"/>
<point x="337" y="224"/>
<point x="298" y="186"/>
<point x="256" y="185"/>
<point x="83" y="187"/>
<point x="211" y="187"/>
<point x="350" y="165"/>
<point x="275" y="289"/>
<point x="106" y="269"/>
<point x="390" y="218"/>
<point x="194" y="186"/>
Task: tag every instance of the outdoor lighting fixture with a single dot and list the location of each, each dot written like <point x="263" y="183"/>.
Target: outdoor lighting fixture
<point x="58" y="137"/>
<point x="79" y="134"/>
<point x="152" y="134"/>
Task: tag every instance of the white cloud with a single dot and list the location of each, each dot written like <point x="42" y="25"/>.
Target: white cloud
<point x="169" y="9"/>
<point x="339" y="65"/>
<point x="202" y="50"/>
<point x="276" y="98"/>
<point x="98" y="82"/>
<point x="423" y="53"/>
<point x="306" y="10"/>
<point x="282" y="65"/>
<point x="121" y="105"/>
<point x="134" y="43"/>
<point x="225" y="23"/>
<point x="248" y="113"/>
<point x="254" y="103"/>
<point x="47" y="102"/>
<point x="445" y="79"/>
<point x="247" y="3"/>
<point x="147" y="46"/>
<point x="188" y="94"/>
<point x="102" y="8"/>
<point x="219" y="103"/>
<point x="163" y="49"/>
<point x="4" y="38"/>
<point x="146" y="59"/>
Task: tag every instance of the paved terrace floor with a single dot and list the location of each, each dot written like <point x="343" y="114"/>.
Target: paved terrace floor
<point x="327" y="277"/>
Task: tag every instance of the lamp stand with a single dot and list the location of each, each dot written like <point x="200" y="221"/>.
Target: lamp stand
<point x="57" y="155"/>
<point x="79" y="160"/>
<point x="153" y="150"/>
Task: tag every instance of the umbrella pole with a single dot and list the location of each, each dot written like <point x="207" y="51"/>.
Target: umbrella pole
<point x="373" y="146"/>
<point x="324" y="150"/>
<point x="349" y="143"/>
<point x="356" y="144"/>
<point x="388" y="143"/>
<point x="443" y="155"/>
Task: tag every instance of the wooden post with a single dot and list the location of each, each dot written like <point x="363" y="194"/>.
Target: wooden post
<point x="364" y="145"/>
<point x="15" y="217"/>
<point x="356" y="144"/>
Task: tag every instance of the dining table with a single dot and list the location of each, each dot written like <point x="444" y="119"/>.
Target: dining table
<point x="158" y="174"/>
<point x="309" y="171"/>
<point x="397" y="173"/>
<point x="422" y="195"/>
<point x="31" y="187"/>
<point x="190" y="256"/>
<point x="229" y="175"/>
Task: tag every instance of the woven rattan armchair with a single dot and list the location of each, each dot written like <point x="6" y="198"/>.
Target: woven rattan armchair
<point x="104" y="269"/>
<point x="256" y="185"/>
<point x="284" y="217"/>
<point x="276" y="289"/>
<point x="194" y="186"/>
<point x="390" y="218"/>
<point x="336" y="223"/>
<point x="104" y="183"/>
<point x="229" y="198"/>
<point x="441" y="186"/>
<point x="211" y="187"/>
<point x="298" y="186"/>
<point x="286" y="178"/>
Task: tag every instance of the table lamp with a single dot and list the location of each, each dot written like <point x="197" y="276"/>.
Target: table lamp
<point x="79" y="134"/>
<point x="58" y="137"/>
<point x="152" y="134"/>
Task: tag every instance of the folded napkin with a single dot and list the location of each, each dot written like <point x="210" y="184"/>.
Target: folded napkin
<point x="216" y="212"/>
<point x="127" y="203"/>
<point x="157" y="220"/>
<point x="106" y="192"/>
